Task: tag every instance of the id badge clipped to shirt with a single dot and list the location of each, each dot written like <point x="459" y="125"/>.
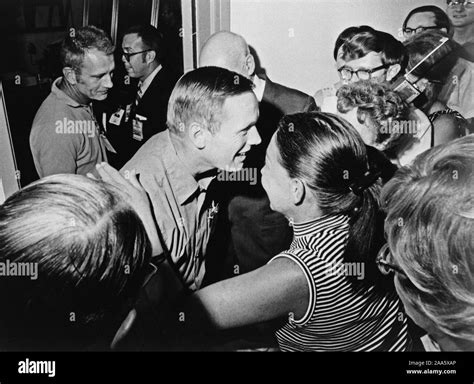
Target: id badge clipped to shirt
<point x="138" y="127"/>
<point x="116" y="118"/>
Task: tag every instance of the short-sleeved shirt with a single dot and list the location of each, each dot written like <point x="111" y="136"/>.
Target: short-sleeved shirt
<point x="185" y="215"/>
<point x="65" y="136"/>
<point x="339" y="316"/>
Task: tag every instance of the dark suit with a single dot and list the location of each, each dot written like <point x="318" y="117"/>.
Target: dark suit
<point x="253" y="231"/>
<point x="152" y="106"/>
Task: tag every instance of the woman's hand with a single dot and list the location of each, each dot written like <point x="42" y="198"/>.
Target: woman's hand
<point x="136" y="196"/>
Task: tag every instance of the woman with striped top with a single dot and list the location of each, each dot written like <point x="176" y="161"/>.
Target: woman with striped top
<point x="327" y="284"/>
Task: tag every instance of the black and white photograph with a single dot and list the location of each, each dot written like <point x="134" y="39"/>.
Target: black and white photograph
<point x="252" y="176"/>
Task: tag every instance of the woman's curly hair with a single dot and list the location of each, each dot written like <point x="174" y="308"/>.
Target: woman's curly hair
<point x="383" y="106"/>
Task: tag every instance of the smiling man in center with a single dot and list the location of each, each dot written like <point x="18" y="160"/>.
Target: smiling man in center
<point x="212" y="114"/>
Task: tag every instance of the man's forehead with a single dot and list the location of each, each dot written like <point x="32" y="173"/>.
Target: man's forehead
<point x="97" y="61"/>
<point x="131" y="40"/>
<point x="422" y="19"/>
<point x="371" y="60"/>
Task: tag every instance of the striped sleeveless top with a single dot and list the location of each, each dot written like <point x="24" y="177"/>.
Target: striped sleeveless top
<point x="338" y="317"/>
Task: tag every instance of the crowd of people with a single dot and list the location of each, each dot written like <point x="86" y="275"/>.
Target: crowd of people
<point x="355" y="235"/>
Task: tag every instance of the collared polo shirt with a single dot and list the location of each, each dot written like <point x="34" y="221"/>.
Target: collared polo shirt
<point x="65" y="137"/>
<point x="184" y="216"/>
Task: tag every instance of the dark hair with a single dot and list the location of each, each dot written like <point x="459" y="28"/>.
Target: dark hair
<point x="438" y="65"/>
<point x="361" y="44"/>
<point x="91" y="252"/>
<point x="329" y="155"/>
<point x="151" y="38"/>
<point x="441" y="18"/>
<point x="347" y="34"/>
<point x="199" y="96"/>
<point x="79" y="41"/>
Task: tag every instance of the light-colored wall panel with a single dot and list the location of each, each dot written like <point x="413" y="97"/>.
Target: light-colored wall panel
<point x="294" y="39"/>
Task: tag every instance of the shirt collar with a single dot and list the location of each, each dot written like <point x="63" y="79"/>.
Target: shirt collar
<point x="259" y="87"/>
<point x="146" y="83"/>
<point x="184" y="184"/>
<point x="321" y="223"/>
<point x="60" y="94"/>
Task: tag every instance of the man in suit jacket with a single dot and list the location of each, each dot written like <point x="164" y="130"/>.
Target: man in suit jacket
<point x="256" y="232"/>
<point x="141" y="112"/>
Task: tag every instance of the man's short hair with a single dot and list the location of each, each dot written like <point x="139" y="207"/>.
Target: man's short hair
<point x="390" y="49"/>
<point x="441" y="18"/>
<point x="79" y="41"/>
<point x="91" y="251"/>
<point x="151" y="38"/>
<point x="347" y="34"/>
<point x="199" y="96"/>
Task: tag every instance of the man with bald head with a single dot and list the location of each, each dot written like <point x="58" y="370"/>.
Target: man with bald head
<point x="257" y="233"/>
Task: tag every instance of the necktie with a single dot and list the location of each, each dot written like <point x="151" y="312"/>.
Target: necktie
<point x="139" y="93"/>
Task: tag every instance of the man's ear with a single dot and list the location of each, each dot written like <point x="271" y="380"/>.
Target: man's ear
<point x="298" y="191"/>
<point x="70" y="75"/>
<point x="250" y="64"/>
<point x="198" y="135"/>
<point x="393" y="71"/>
<point x="150" y="56"/>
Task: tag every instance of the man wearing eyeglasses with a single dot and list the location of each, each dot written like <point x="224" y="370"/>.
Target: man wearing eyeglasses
<point x="372" y="55"/>
<point x="425" y="18"/>
<point x="141" y="113"/>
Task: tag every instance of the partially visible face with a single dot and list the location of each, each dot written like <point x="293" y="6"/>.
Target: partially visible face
<point x="95" y="78"/>
<point x="460" y="15"/>
<point x="228" y="147"/>
<point x="275" y="180"/>
<point x="423" y="19"/>
<point x="370" y="61"/>
<point x="137" y="66"/>
<point x="366" y="130"/>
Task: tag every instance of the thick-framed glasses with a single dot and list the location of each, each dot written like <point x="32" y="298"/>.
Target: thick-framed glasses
<point x="408" y="32"/>
<point x="466" y="3"/>
<point x="362" y="74"/>
<point x="128" y="55"/>
<point x="384" y="262"/>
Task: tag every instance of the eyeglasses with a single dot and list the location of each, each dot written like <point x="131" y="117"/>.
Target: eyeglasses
<point x="362" y="74"/>
<point x="410" y="31"/>
<point x="128" y="55"/>
<point x="465" y="3"/>
<point x="385" y="267"/>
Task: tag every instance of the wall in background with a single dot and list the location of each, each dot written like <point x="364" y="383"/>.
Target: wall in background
<point x="294" y="39"/>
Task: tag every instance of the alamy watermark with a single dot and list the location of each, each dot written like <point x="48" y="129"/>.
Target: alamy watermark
<point x="13" y="269"/>
<point x="346" y="269"/>
<point x="245" y="174"/>
<point x="74" y="127"/>
<point x="408" y="127"/>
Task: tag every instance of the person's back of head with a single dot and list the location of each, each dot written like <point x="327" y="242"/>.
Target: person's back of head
<point x="227" y="50"/>
<point x="426" y="60"/>
<point x="90" y="252"/>
<point x="430" y="227"/>
<point x="199" y="96"/>
<point x="380" y="110"/>
<point x="330" y="157"/>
